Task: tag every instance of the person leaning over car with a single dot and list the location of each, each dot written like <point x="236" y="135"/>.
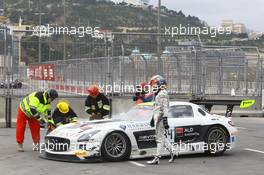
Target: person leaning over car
<point x="30" y="109"/>
<point x="96" y="104"/>
<point x="142" y="95"/>
<point x="63" y="114"/>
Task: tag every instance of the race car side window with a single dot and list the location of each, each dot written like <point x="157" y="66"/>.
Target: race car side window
<point x="181" y="111"/>
<point x="201" y="112"/>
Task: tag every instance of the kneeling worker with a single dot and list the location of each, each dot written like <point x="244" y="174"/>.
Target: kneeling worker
<point x="63" y="114"/>
<point x="96" y="104"/>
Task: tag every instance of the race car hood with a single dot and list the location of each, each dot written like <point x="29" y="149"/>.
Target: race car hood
<point x="74" y="130"/>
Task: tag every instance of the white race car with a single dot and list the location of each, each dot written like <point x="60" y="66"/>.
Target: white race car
<point x="129" y="136"/>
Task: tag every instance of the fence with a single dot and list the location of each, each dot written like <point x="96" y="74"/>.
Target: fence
<point x="198" y="72"/>
<point x="126" y="59"/>
<point x="118" y="65"/>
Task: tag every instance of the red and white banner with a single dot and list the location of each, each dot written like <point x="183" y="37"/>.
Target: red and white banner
<point x="42" y="72"/>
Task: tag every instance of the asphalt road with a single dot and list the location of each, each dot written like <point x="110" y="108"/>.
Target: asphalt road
<point x="246" y="159"/>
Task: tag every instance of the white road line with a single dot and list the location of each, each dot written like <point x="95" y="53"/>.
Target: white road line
<point x="137" y="164"/>
<point x="240" y="127"/>
<point x="254" y="150"/>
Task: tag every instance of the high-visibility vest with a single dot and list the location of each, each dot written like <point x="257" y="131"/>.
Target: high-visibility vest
<point x="32" y="102"/>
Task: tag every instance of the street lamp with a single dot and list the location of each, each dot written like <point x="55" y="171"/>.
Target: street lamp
<point x="4" y="32"/>
<point x="64" y="24"/>
<point x="39" y="38"/>
<point x="261" y="81"/>
<point x="160" y="68"/>
<point x="159" y="5"/>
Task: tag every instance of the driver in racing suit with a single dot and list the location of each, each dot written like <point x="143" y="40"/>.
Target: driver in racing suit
<point x="159" y="120"/>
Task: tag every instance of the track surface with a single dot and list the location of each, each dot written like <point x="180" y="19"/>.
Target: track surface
<point x="247" y="158"/>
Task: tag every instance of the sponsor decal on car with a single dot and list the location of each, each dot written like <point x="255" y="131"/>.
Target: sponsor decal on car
<point x="65" y="134"/>
<point x="188" y="131"/>
<point x="138" y="126"/>
<point x="179" y="132"/>
<point x="81" y="154"/>
<point x="122" y="127"/>
<point x="145" y="139"/>
<point x="185" y="133"/>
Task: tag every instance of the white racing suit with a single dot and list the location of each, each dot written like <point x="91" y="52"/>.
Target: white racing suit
<point x="161" y="110"/>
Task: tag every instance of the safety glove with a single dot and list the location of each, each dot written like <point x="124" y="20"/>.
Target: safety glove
<point x="42" y="121"/>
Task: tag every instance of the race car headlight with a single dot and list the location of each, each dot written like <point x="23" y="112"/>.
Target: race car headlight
<point x="86" y="137"/>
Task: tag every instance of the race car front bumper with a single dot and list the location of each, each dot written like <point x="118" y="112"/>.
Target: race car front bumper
<point x="70" y="158"/>
<point x="63" y="149"/>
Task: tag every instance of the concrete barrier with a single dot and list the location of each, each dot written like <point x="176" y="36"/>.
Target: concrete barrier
<point x="119" y="105"/>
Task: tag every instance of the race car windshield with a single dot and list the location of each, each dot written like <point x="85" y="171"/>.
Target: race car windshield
<point x="138" y="113"/>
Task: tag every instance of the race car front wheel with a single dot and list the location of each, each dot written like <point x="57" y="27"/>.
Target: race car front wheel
<point x="116" y="147"/>
<point x="216" y="141"/>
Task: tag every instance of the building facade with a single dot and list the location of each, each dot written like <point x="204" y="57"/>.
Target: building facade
<point x="133" y="2"/>
<point x="236" y="28"/>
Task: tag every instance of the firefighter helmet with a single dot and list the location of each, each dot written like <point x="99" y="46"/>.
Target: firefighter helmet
<point x="63" y="107"/>
<point x="93" y="91"/>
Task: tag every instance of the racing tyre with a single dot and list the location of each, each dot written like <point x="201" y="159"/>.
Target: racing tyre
<point x="116" y="147"/>
<point x="216" y="140"/>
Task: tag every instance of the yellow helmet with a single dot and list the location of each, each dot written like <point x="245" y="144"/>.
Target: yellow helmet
<point x="63" y="107"/>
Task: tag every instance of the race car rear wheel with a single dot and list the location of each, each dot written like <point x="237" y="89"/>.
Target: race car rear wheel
<point x="216" y="141"/>
<point x="116" y="147"/>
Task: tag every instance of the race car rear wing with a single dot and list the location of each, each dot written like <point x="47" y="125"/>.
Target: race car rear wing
<point x="209" y="103"/>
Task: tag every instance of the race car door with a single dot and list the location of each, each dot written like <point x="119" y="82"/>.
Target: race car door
<point x="185" y="125"/>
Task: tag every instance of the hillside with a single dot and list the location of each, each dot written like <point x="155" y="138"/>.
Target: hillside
<point x="84" y="13"/>
<point x="105" y="15"/>
<point x="100" y="14"/>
